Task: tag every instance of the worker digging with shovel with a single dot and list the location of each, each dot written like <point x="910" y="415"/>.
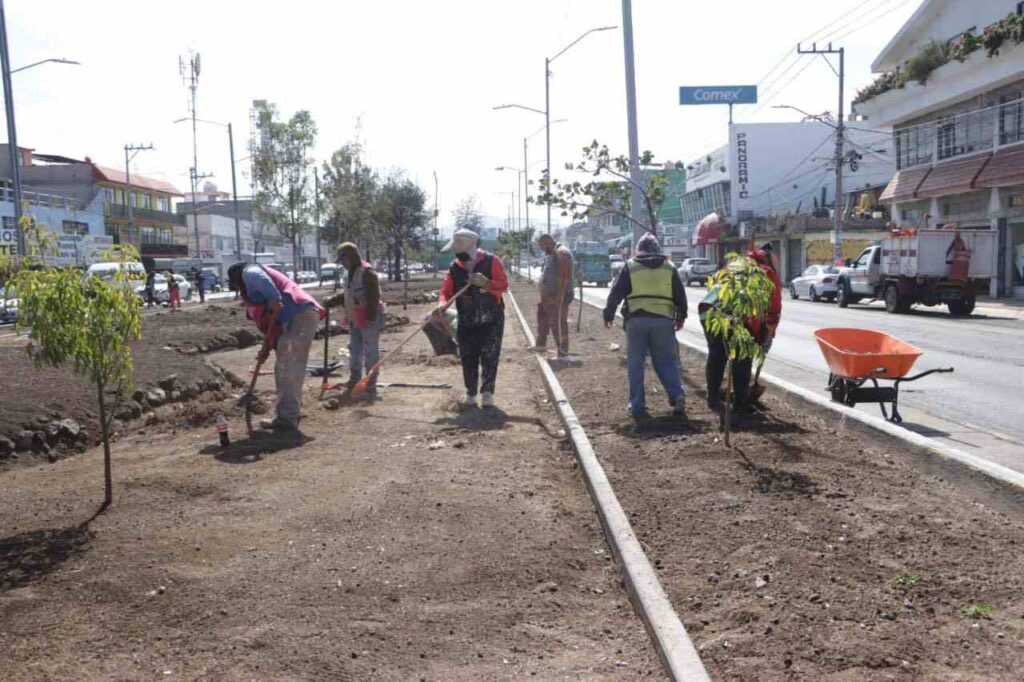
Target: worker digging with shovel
<point x="288" y="317"/>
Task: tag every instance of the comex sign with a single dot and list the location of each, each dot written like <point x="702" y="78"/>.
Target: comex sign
<point x="718" y="94"/>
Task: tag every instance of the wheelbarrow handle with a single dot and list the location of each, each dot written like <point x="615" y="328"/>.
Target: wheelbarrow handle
<point x="943" y="370"/>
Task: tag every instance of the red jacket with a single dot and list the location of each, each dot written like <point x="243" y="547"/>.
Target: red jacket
<point x="497" y="287"/>
<point x="762" y="329"/>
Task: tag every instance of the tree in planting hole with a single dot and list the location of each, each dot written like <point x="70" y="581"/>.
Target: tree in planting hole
<point x="86" y="321"/>
<point x="742" y="291"/>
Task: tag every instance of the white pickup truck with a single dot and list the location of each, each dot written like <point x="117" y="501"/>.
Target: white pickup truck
<point x="903" y="271"/>
<point x="696" y="270"/>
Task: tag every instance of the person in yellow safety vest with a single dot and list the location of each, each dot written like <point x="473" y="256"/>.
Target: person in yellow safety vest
<point x="654" y="310"/>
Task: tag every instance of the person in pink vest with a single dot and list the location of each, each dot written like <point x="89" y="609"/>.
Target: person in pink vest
<point x="288" y="318"/>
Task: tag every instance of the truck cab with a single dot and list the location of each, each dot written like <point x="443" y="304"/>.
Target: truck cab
<point x="864" y="275"/>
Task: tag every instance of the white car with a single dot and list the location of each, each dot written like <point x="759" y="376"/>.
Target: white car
<point x="160" y="292"/>
<point x="8" y="306"/>
<point x="817" y="282"/>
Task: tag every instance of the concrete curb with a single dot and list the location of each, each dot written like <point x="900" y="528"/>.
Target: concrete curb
<point x="678" y="655"/>
<point x="998" y="472"/>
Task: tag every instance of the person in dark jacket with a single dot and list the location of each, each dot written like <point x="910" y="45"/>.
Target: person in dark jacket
<point x="654" y="310"/>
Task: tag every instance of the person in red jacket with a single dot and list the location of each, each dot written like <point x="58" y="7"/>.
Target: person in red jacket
<point x="762" y="328"/>
<point x="481" y="313"/>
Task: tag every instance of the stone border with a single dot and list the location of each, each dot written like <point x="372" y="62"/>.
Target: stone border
<point x="675" y="649"/>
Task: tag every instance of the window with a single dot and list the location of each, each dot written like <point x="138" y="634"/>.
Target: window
<point x="963" y="204"/>
<point x="163" y="204"/>
<point x="108" y="195"/>
<point x="964" y="134"/>
<point x="165" y="235"/>
<point x="811" y="271"/>
<point x="75" y="227"/>
<point x="145" y="201"/>
<point x="148" y="234"/>
<point x="1011" y="120"/>
<point x="913" y="146"/>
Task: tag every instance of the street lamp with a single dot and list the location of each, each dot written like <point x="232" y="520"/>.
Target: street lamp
<point x="12" y="130"/>
<point x="55" y="60"/>
<point x="234" y="182"/>
<point x="519" y="173"/>
<point x="547" y="102"/>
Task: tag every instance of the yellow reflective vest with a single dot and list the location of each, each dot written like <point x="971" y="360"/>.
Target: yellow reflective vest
<point x="651" y="289"/>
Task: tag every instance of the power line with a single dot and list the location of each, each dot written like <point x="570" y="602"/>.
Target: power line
<point x="866" y="12"/>
<point x="872" y="21"/>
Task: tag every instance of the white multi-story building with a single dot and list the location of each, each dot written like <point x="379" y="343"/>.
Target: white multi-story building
<point x="950" y="87"/>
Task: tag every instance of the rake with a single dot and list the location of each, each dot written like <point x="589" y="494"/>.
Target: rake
<point x="361" y="386"/>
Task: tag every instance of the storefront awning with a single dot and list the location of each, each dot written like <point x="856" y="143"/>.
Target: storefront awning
<point x="1005" y="168"/>
<point x="953" y="177"/>
<point x="904" y="184"/>
<point x="708" y="230"/>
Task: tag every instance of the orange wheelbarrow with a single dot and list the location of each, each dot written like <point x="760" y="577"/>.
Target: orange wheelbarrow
<point x="858" y="356"/>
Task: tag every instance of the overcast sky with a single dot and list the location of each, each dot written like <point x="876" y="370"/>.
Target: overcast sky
<point x="422" y="77"/>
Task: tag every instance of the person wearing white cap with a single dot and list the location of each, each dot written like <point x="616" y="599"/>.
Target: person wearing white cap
<point x="481" y="312"/>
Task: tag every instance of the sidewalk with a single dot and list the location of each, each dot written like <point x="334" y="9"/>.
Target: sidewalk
<point x="396" y="540"/>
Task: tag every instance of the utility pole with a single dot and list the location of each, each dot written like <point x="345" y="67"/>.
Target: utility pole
<point x="12" y="130"/>
<point x="136" y="148"/>
<point x="234" y="194"/>
<point x="316" y="214"/>
<point x="526" y="185"/>
<point x="837" y="249"/>
<point x="637" y="208"/>
<point x="547" y="131"/>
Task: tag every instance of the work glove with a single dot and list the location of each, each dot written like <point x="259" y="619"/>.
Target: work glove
<point x="480" y="280"/>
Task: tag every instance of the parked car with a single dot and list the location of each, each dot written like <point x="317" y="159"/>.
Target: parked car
<point x="817" y="282"/>
<point x="696" y="270"/>
<point x="160" y="292"/>
<point x="136" y="274"/>
<point x="328" y="271"/>
<point x="8" y="306"/>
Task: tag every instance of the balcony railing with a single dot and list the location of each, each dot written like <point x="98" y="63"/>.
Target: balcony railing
<point x="121" y="211"/>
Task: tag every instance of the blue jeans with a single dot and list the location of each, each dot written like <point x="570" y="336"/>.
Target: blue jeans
<point x="364" y="347"/>
<point x="657" y="336"/>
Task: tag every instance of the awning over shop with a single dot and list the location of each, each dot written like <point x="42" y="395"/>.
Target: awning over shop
<point x="953" y="177"/>
<point x="709" y="230"/>
<point x="1005" y="168"/>
<point x="904" y="184"/>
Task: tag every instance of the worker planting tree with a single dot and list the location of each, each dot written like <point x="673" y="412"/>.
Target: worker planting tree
<point x="90" y="323"/>
<point x="739" y="316"/>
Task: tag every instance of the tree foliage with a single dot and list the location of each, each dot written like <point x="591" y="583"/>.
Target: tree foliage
<point x="87" y="322"/>
<point x="744" y="292"/>
<point x="281" y="167"/>
<point x="349" y="189"/>
<point x="401" y="217"/>
<point x="610" y="189"/>
<point x="512" y="243"/>
<point x="468" y="215"/>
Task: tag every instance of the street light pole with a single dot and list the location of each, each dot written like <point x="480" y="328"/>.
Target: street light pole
<point x="12" y="132"/>
<point x="634" y="146"/>
<point x="547" y="131"/>
<point x="316" y="214"/>
<point x="234" y="194"/>
<point x="526" y="185"/>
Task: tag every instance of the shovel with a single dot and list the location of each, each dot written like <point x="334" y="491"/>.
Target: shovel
<point x="361" y="386"/>
<point x="246" y="400"/>
<point x="757" y="390"/>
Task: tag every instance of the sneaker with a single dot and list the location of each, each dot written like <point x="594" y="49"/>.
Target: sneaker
<point x="277" y="424"/>
<point x="563" y="354"/>
<point x="469" y="400"/>
<point x="486" y="400"/>
<point x="538" y="349"/>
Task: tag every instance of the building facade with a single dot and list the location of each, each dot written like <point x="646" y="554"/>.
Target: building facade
<point x="959" y="134"/>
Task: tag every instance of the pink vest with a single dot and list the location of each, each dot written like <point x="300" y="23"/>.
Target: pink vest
<point x="256" y="312"/>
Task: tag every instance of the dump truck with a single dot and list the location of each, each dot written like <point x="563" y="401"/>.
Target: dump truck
<point x="592" y="264"/>
<point x="928" y="267"/>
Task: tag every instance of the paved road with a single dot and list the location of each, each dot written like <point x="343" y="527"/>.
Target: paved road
<point x="979" y="408"/>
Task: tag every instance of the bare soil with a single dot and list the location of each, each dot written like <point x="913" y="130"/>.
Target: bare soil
<point x="813" y="549"/>
<point x="394" y="539"/>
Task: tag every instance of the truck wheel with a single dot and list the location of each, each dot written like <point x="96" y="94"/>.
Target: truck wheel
<point x="894" y="302"/>
<point x="843" y="295"/>
<point x="792" y="292"/>
<point x="814" y="295"/>
<point x="962" y="307"/>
